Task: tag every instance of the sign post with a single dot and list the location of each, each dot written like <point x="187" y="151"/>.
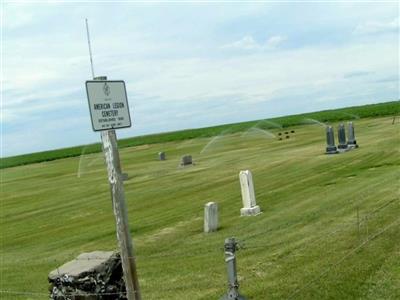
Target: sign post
<point x="109" y="110"/>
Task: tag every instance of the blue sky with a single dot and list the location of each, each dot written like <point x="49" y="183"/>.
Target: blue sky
<point x="189" y="65"/>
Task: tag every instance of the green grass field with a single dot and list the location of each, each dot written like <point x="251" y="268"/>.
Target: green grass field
<point x="307" y="244"/>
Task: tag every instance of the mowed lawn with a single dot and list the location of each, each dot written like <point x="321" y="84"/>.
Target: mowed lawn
<point x="330" y="227"/>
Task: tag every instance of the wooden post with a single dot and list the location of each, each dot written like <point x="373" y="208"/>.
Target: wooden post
<point x="110" y="150"/>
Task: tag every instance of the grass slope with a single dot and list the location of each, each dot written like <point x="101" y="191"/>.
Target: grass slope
<point x="348" y="113"/>
<point x="307" y="243"/>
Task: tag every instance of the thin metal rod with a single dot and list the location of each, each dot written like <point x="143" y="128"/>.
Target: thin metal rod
<point x="90" y="47"/>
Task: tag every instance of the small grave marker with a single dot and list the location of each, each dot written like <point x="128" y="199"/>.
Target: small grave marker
<point x="161" y="156"/>
<point x="210" y="217"/>
<point x="186" y="160"/>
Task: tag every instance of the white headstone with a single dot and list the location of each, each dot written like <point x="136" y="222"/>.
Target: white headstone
<point x="250" y="207"/>
<point x="210" y="217"/>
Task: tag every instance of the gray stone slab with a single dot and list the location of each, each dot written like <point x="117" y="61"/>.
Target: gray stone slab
<point x="84" y="264"/>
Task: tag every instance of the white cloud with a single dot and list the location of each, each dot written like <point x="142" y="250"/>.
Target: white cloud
<point x="254" y="78"/>
<point x="275" y="41"/>
<point x="171" y="66"/>
<point x="373" y="27"/>
<point x="17" y="17"/>
<point x="249" y="43"/>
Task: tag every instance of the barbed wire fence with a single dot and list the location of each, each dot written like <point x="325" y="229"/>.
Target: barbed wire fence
<point x="247" y="244"/>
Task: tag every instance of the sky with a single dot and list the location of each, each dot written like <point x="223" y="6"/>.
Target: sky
<point x="188" y="64"/>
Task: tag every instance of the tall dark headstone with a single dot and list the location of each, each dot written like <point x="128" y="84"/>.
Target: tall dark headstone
<point x="330" y="141"/>
<point x="342" y="137"/>
<point x="352" y="143"/>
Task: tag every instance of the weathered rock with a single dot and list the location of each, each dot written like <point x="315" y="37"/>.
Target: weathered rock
<point x="94" y="275"/>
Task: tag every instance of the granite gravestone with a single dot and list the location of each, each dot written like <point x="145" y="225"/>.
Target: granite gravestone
<point x="342" y="143"/>
<point x="330" y="141"/>
<point x="351" y="142"/>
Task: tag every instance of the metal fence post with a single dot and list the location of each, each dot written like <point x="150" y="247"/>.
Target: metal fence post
<point x="230" y="248"/>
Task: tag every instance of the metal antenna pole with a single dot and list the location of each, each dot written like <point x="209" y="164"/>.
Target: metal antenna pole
<point x="90" y="47"/>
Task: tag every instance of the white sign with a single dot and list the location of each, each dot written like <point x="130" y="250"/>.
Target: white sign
<point x="108" y="104"/>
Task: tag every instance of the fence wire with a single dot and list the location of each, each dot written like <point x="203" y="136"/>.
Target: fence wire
<point x="243" y="244"/>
